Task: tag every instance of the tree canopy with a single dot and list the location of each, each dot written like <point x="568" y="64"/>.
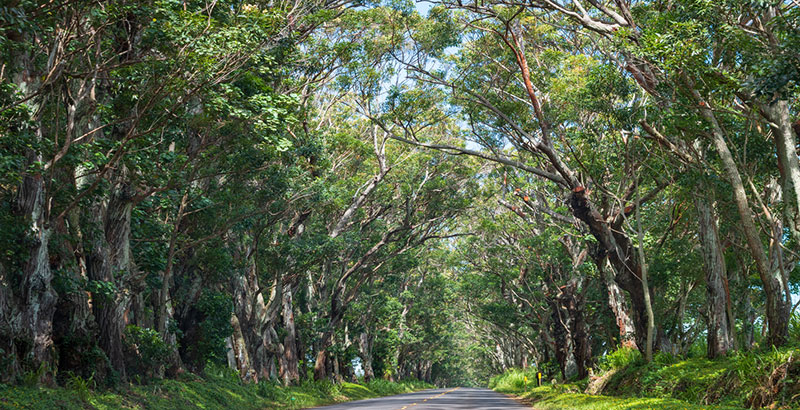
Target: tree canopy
<point x="441" y="190"/>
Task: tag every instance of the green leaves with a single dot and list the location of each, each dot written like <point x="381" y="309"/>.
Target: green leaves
<point x="217" y="308"/>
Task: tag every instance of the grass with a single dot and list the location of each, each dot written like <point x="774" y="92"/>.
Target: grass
<point x="211" y="392"/>
<point x="552" y="398"/>
<point x="741" y="380"/>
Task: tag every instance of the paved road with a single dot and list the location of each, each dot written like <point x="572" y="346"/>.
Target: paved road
<point x="459" y="398"/>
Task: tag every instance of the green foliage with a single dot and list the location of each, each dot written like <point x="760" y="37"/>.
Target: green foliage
<point x="550" y="398"/>
<point x="388" y="388"/>
<point x="147" y="351"/>
<point x="794" y="325"/>
<point x="13" y="241"/>
<point x="514" y="380"/>
<point x="235" y="137"/>
<point x="622" y="357"/>
<point x="728" y="381"/>
<point x="34" y="377"/>
<point x="80" y="385"/>
<point x="665" y="358"/>
<point x="220" y="372"/>
<point x="214" y="393"/>
<point x="215" y="327"/>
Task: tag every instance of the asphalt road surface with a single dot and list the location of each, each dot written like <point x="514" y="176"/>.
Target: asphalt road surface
<point x="459" y="398"/>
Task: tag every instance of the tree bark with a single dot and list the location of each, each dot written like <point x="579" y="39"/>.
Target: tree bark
<point x="562" y="333"/>
<point x="254" y="319"/>
<point x="29" y="308"/>
<point x="573" y="351"/>
<point x="365" y="352"/>
<point x="720" y="340"/>
<point x="289" y="372"/>
<point x="778" y="308"/>
<point x="788" y="164"/>
<point x="241" y="356"/>
<point x="320" y="363"/>
<point x="616" y="300"/>
<point x="109" y="267"/>
<point x="643" y="275"/>
<point x="37" y="300"/>
<point x="617" y="246"/>
<point x="73" y="332"/>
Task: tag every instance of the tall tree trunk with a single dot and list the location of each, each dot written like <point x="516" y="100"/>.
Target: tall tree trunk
<point x="580" y="338"/>
<point x="777" y="307"/>
<point x="720" y="339"/>
<point x="254" y="317"/>
<point x="290" y="372"/>
<point x="365" y="352"/>
<point x="72" y="323"/>
<point x="621" y="253"/>
<point x="643" y="276"/>
<point x="617" y="303"/>
<point x="336" y="315"/>
<point x="788" y="164"/>
<point x="37" y="300"/>
<point x="337" y="374"/>
<point x="562" y="333"/>
<point x="748" y="311"/>
<point x="240" y="354"/>
<point x="321" y="361"/>
<point x="110" y="268"/>
<point x="28" y="310"/>
<point x="573" y="351"/>
<point x="428" y="371"/>
<point x="166" y="312"/>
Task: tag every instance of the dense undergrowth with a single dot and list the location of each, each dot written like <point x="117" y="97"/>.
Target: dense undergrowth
<point x="741" y="380"/>
<point x="216" y="390"/>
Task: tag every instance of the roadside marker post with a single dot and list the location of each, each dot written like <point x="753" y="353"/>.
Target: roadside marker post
<point x="539" y="378"/>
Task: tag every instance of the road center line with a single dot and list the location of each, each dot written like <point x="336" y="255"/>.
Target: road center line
<point x="430" y="398"/>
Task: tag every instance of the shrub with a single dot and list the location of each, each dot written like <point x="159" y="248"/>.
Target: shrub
<point x="216" y="327"/>
<point x="34" y="377"/>
<point x="514" y="380"/>
<point x="215" y="371"/>
<point x="794" y="327"/>
<point x="146" y="350"/>
<point x="620" y="358"/>
<point x="80" y="385"/>
<point x="270" y="390"/>
<point x="665" y="359"/>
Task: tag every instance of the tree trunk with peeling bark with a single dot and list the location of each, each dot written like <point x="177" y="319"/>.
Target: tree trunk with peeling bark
<point x="573" y="351"/>
<point x="778" y="308"/>
<point x="110" y="267"/>
<point x="365" y="353"/>
<point x="720" y="339"/>
<point x="33" y="306"/>
<point x="616" y="299"/>
<point x="28" y="306"/>
<point x="321" y="359"/>
<point x="289" y="368"/>
<point x="788" y="164"/>
<point x="255" y="345"/>
<point x="619" y="249"/>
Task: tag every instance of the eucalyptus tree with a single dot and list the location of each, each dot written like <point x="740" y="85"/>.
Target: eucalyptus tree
<point x="407" y="199"/>
<point x="536" y="77"/>
<point x="680" y="53"/>
<point x="134" y="92"/>
<point x="504" y="101"/>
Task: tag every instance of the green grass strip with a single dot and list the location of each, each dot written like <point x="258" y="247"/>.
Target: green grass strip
<point x="210" y="393"/>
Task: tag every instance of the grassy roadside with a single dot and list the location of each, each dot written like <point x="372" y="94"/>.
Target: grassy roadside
<point x="765" y="379"/>
<point x="554" y="398"/>
<point x="210" y="392"/>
